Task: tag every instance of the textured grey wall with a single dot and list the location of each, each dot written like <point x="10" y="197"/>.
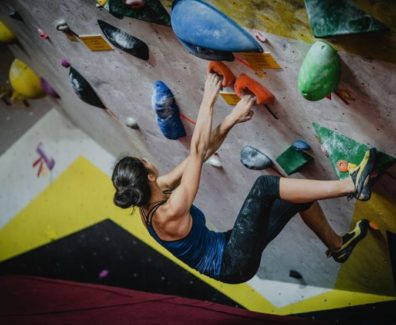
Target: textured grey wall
<point x="125" y="85"/>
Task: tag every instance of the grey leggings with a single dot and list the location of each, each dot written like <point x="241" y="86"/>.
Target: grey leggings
<point x="261" y="218"/>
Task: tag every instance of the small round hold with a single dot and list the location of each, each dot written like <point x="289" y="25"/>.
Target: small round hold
<point x="214" y="161"/>
<point x="132" y="123"/>
<point x="342" y="166"/>
<point x="253" y="158"/>
<point x="65" y="63"/>
<point x="103" y="274"/>
<point x="300" y="145"/>
<point x="135" y="4"/>
<point x="62" y="25"/>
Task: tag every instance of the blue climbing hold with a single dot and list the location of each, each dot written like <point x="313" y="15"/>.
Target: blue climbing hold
<point x="300" y="145"/>
<point x="207" y="54"/>
<point x="198" y="23"/>
<point x="168" y="118"/>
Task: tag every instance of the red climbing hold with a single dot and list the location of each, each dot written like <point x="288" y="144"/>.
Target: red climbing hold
<point x="135" y="4"/>
<point x="244" y="82"/>
<point x="221" y="69"/>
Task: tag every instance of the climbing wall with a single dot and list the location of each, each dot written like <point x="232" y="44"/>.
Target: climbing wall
<point x="362" y="111"/>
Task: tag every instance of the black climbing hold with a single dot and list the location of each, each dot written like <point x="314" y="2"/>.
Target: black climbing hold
<point x="84" y="90"/>
<point x="124" y="41"/>
<point x="295" y="274"/>
<point x="15" y="14"/>
<point x="253" y="158"/>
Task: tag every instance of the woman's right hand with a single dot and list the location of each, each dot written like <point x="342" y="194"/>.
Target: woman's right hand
<point x="212" y="88"/>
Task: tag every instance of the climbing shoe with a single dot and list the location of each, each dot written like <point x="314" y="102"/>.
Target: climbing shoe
<point x="361" y="176"/>
<point x="349" y="241"/>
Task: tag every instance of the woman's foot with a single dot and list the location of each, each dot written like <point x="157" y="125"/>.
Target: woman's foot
<point x="360" y="176"/>
<point x="349" y="241"/>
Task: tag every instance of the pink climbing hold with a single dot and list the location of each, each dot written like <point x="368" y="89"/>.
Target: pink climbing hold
<point x="65" y="63"/>
<point x="135" y="4"/>
<point x="324" y="151"/>
<point x="43" y="35"/>
<point x="48" y="89"/>
<point x="104" y="274"/>
<point x="260" y="36"/>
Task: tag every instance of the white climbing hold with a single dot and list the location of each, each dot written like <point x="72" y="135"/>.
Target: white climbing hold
<point x="132" y="123"/>
<point x="215" y="161"/>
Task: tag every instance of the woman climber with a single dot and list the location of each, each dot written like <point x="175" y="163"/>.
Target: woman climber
<point x="167" y="210"/>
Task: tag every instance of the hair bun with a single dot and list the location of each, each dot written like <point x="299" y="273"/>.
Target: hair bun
<point x="127" y="197"/>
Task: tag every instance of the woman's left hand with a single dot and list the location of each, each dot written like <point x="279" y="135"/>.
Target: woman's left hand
<point x="242" y="112"/>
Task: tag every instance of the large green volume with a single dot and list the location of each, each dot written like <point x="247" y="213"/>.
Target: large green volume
<point x="320" y="71"/>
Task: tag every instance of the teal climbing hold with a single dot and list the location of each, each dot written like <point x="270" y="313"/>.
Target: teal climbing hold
<point x="341" y="17"/>
<point x="320" y="71"/>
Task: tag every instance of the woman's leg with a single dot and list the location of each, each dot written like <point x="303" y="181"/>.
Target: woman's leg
<point x="315" y="219"/>
<point x="262" y="216"/>
<point x="306" y="190"/>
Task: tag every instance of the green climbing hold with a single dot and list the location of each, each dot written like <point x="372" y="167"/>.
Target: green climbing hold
<point x="340" y="147"/>
<point x="292" y="160"/>
<point x="320" y="71"/>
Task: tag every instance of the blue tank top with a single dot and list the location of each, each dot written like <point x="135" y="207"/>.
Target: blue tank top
<point x="202" y="249"/>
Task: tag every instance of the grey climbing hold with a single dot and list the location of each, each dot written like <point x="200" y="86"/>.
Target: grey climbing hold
<point x="253" y="158"/>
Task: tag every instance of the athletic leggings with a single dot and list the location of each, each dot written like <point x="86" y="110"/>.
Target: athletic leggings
<point x="261" y="218"/>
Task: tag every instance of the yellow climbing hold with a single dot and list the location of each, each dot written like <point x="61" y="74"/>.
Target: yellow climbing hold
<point x="6" y="34"/>
<point x="101" y="3"/>
<point x="24" y="81"/>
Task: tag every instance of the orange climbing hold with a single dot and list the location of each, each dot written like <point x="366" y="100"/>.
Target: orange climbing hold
<point x="342" y="166"/>
<point x="373" y="226"/>
<point x="221" y="69"/>
<point x="245" y="83"/>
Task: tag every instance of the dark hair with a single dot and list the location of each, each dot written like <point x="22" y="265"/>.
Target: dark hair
<point x="130" y="180"/>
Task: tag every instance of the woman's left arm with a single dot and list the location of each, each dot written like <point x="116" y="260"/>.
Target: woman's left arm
<point x="181" y="199"/>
